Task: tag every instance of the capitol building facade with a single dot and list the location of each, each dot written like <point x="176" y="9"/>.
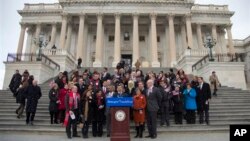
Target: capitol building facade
<point x="158" y="33"/>
<point x="102" y="32"/>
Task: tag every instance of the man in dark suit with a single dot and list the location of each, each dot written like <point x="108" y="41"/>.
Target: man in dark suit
<point x="104" y="87"/>
<point x="203" y="98"/>
<point x="81" y="87"/>
<point x="96" y="82"/>
<point x="15" y="82"/>
<point x="105" y="75"/>
<point x="33" y="94"/>
<point x="120" y="92"/>
<point x="165" y="90"/>
<point x="154" y="98"/>
<point x="110" y="94"/>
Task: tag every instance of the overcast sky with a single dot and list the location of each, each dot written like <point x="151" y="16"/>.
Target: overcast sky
<point x="10" y="29"/>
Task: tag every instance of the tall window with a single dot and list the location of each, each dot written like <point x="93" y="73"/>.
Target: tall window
<point x="111" y="38"/>
<point x="158" y="39"/>
<point x="126" y="36"/>
<point x="142" y="38"/>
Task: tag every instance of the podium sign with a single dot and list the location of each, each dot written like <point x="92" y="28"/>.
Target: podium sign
<point x="120" y="118"/>
<point x="119" y="102"/>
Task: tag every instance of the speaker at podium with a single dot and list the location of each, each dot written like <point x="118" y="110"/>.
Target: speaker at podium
<point x="120" y="118"/>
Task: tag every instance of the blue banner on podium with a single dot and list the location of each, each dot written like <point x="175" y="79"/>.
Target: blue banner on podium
<point x="119" y="102"/>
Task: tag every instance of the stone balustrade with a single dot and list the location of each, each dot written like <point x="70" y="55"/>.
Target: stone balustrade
<point x="247" y="40"/>
<point x="194" y="52"/>
<point x="42" y="6"/>
<point x="210" y="7"/>
<point x="51" y="52"/>
<point x="238" y="42"/>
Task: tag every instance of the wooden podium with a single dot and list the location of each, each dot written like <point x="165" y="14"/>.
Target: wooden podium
<point x="120" y="118"/>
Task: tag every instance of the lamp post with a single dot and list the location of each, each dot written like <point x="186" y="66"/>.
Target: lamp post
<point x="210" y="43"/>
<point x="40" y="42"/>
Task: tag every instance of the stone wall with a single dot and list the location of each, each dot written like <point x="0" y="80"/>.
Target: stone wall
<point x="230" y="74"/>
<point x="39" y="70"/>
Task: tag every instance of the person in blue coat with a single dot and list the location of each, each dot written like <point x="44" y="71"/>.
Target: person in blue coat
<point x="190" y="103"/>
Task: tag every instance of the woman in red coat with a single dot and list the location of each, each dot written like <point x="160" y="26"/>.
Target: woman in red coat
<point x="139" y="112"/>
<point x="61" y="105"/>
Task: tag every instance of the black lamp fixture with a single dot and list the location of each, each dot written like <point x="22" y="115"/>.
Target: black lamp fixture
<point x="40" y="42"/>
<point x="210" y="42"/>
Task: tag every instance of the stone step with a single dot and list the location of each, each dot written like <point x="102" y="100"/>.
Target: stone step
<point x="231" y="96"/>
<point x="232" y="93"/>
<point x="61" y="130"/>
<point x="219" y="116"/>
<point x="229" y="104"/>
<point x="242" y="102"/>
<point x="44" y="99"/>
<point x="46" y="123"/>
<point x="212" y="110"/>
<point x="42" y="120"/>
<point x="14" y="100"/>
<point x="230" y="101"/>
<point x="212" y="106"/>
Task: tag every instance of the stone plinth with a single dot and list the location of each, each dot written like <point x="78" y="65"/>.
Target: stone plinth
<point x="155" y="64"/>
<point x="62" y="57"/>
<point x="41" y="71"/>
<point x="229" y="73"/>
<point x="66" y="63"/>
<point x="186" y="63"/>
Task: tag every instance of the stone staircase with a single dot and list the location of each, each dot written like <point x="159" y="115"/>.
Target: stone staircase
<point x="231" y="106"/>
<point x="144" y="70"/>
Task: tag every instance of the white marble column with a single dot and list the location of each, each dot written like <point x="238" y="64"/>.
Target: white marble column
<point x="63" y="31"/>
<point x="29" y="40"/>
<point x="135" y="39"/>
<point x="214" y="35"/>
<point x="189" y="30"/>
<point x="183" y="37"/>
<point x="69" y="36"/>
<point x="53" y="35"/>
<point x="172" y="46"/>
<point x="21" y="38"/>
<point x="98" y="48"/>
<point x="80" y="40"/>
<point x="199" y="36"/>
<point x="166" y="59"/>
<point x="35" y="45"/>
<point x="154" y="59"/>
<point x="117" y="45"/>
<point x="230" y="39"/>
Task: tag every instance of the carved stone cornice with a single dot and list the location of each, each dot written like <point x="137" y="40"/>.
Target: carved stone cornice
<point x="99" y="15"/>
<point x="153" y="16"/>
<point x="226" y="13"/>
<point x="117" y="15"/>
<point x="39" y="12"/>
<point x="82" y="14"/>
<point x="170" y="16"/>
<point x="229" y="26"/>
<point x="23" y="24"/>
<point x="136" y="15"/>
<point x="124" y="1"/>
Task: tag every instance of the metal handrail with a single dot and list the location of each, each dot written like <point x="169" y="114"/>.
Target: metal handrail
<point x="238" y="57"/>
